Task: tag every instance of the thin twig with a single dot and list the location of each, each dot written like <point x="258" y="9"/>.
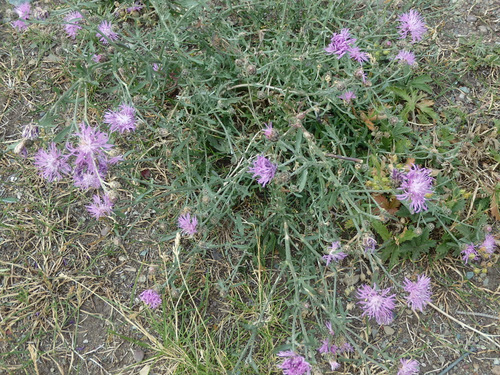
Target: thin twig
<point x="487" y="337"/>
<point x="345" y="158"/>
<point x="479" y="314"/>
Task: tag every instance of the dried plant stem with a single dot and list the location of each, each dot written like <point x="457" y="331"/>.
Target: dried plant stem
<point x="479" y="314"/>
<point x="487" y="337"/>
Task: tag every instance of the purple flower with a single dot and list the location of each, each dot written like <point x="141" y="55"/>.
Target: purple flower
<point x="188" y="224"/>
<point x="263" y="169"/>
<point x="419" y="292"/>
<point x="23" y="11"/>
<point x="340" y="43"/>
<point x="408" y="367"/>
<point x="356" y="54"/>
<point x="52" y="164"/>
<point x="417" y="183"/>
<point x="469" y="253"/>
<point x="488" y="244"/>
<point x="335" y="254"/>
<point x="92" y="143"/>
<point x="294" y="364"/>
<point x="72" y="20"/>
<point x="100" y="207"/>
<point x="347" y="97"/>
<point x="135" y="8"/>
<point x="325" y="347"/>
<point x="413" y="24"/>
<point x="376" y="304"/>
<point x="407" y="57"/>
<point x="360" y="73"/>
<point x="270" y="133"/>
<point x="19" y="25"/>
<point x="369" y="244"/>
<point x="97" y="58"/>
<point x="329" y="328"/>
<point x="122" y="120"/>
<point x="106" y="32"/>
<point x="151" y="298"/>
<point x="156" y="67"/>
<point x="347" y="348"/>
<point x="334" y="365"/>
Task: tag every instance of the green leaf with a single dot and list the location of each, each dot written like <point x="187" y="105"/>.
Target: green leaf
<point x="407" y="236"/>
<point x="420" y="83"/>
<point x="381" y="230"/>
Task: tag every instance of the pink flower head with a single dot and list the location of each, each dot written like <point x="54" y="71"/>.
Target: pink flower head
<point x="412" y="23"/>
<point x="408" y="367"/>
<point x="106" y="32"/>
<point x="347" y="348"/>
<point x="122" y="120"/>
<point x="488" y="244"/>
<point x="97" y="58"/>
<point x="419" y="292"/>
<point x="329" y="328"/>
<point x="294" y="364"/>
<point x="52" y="164"/>
<point x="100" y="207"/>
<point x="406" y="57"/>
<point x="376" y="303"/>
<point x="340" y="43"/>
<point x="335" y="254"/>
<point x="369" y="244"/>
<point x="23" y="11"/>
<point x="347" y="97"/>
<point x="20" y="25"/>
<point x="72" y="20"/>
<point x="263" y="169"/>
<point x="135" y="8"/>
<point x="30" y="132"/>
<point x="156" y="67"/>
<point x="334" y="365"/>
<point x="356" y="54"/>
<point x="270" y="133"/>
<point x="187" y="224"/>
<point x="92" y="143"/>
<point x="469" y="253"/>
<point x="151" y="298"/>
<point x="417" y="183"/>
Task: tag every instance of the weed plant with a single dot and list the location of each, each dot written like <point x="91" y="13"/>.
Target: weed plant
<point x="250" y="129"/>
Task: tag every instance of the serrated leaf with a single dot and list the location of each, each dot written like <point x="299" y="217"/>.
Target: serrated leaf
<point x="407" y="235"/>
<point x="401" y="93"/>
<point x="381" y="229"/>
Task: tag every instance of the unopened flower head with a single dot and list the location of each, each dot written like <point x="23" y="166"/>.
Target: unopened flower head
<point x="376" y="303"/>
<point x="187" y="224"/>
<point x="100" y="207"/>
<point x="346" y="348"/>
<point x="469" y="253"/>
<point x="106" y="32"/>
<point x="294" y="364"/>
<point x="72" y="24"/>
<point x="412" y="23"/>
<point x="30" y="132"/>
<point x="122" y="120"/>
<point x="408" y="367"/>
<point x="151" y="298"/>
<point x="263" y="169"/>
<point x="417" y="183"/>
<point x="347" y="97"/>
<point x="340" y="43"/>
<point x="407" y="57"/>
<point x="52" y="164"/>
<point x="135" y="8"/>
<point x="419" y="292"/>
<point x="369" y="244"/>
<point x="335" y="253"/>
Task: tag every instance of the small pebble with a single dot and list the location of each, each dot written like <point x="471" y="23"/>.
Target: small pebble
<point x="389" y="331"/>
<point x="483" y="29"/>
<point x="471" y="18"/>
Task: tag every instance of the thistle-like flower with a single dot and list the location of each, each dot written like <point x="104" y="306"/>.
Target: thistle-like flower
<point x="412" y="23"/>
<point x="419" y="292"/>
<point x="52" y="164"/>
<point x="356" y="54"/>
<point x="263" y="169"/>
<point x="407" y="57"/>
<point x="122" y="120"/>
<point x="100" y="207"/>
<point x="187" y="224"/>
<point x="335" y="253"/>
<point x="72" y="24"/>
<point x="294" y="364"/>
<point x="408" y="367"/>
<point x="376" y="303"/>
<point x="347" y="97"/>
<point x="416" y="185"/>
<point x="488" y="245"/>
<point x="151" y="298"/>
<point x="270" y="133"/>
<point x="469" y="253"/>
<point x="23" y="11"/>
<point x="340" y="43"/>
<point x="106" y="32"/>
